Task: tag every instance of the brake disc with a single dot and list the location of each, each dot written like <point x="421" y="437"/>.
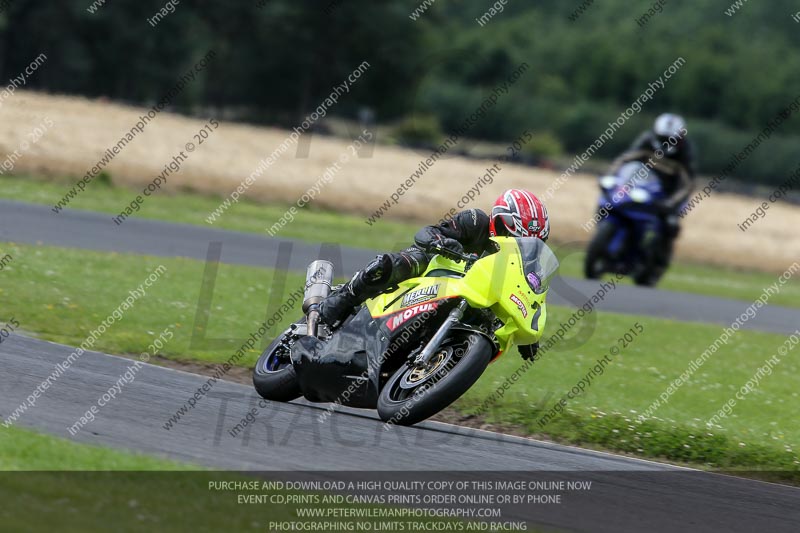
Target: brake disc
<point x="418" y="375"/>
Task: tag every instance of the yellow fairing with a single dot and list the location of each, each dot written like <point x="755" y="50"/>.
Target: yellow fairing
<point x="513" y="283"/>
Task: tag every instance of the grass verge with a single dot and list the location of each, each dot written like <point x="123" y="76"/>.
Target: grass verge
<point x="62" y="294"/>
<point x="24" y="450"/>
<point x="52" y="484"/>
<point x="327" y="226"/>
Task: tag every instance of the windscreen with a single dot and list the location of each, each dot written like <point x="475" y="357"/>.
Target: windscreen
<point x="636" y="174"/>
<point x="538" y="262"/>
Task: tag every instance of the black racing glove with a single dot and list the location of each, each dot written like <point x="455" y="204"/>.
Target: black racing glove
<point x="449" y="248"/>
<point x="528" y="351"/>
<point x="379" y="270"/>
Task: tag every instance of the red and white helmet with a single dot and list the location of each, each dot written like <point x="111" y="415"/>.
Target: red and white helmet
<point x="519" y="213"/>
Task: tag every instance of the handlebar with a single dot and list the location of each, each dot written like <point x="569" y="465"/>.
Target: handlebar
<point x="469" y="259"/>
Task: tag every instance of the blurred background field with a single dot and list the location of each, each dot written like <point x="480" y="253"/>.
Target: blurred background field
<point x="84" y="129"/>
<point x="276" y="61"/>
<point x="267" y="66"/>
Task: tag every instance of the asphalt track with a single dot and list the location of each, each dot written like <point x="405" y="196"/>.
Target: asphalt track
<point x="627" y="494"/>
<point x="28" y="223"/>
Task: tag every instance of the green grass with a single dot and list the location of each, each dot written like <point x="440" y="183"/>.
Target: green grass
<point x="761" y="432"/>
<point x="192" y="208"/>
<point x="326" y="226"/>
<point x="53" y="484"/>
<point x="62" y="294"/>
<point x="163" y="501"/>
<point x="21" y="449"/>
<point x="701" y="279"/>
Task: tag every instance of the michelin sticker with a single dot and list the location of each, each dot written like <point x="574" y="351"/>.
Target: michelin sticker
<point x="420" y="295"/>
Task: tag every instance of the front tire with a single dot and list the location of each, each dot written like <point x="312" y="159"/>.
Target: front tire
<point x="411" y="396"/>
<point x="596" y="260"/>
<point x="274" y="377"/>
<point x="650" y="277"/>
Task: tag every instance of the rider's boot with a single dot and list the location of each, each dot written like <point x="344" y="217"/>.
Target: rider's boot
<point x="364" y="284"/>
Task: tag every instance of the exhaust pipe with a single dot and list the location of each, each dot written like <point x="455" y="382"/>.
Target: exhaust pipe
<point x="319" y="277"/>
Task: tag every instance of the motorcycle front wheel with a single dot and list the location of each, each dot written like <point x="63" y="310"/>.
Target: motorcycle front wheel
<point x="413" y="394"/>
<point x="596" y="260"/>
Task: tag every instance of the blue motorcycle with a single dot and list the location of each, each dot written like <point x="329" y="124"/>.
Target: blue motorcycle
<point x="629" y="221"/>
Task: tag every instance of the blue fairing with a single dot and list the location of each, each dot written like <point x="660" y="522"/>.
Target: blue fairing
<point x="628" y="201"/>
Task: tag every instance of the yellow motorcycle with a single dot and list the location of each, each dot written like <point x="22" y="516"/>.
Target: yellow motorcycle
<point x="415" y="349"/>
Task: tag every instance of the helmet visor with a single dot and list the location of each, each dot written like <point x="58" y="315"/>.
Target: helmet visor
<point x="503" y="222"/>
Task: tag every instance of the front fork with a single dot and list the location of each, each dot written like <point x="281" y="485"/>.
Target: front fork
<point x="455" y="316"/>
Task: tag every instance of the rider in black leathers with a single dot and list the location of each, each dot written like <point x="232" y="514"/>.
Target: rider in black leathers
<point x="516" y="212"/>
<point x="667" y="150"/>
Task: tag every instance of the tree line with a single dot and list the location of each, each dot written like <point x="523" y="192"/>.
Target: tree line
<point x="275" y="59"/>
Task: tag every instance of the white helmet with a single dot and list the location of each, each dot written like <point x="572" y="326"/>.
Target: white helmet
<point x="669" y="130"/>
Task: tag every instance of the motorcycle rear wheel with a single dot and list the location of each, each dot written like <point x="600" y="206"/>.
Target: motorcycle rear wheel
<point x="273" y="376"/>
<point x="412" y="394"/>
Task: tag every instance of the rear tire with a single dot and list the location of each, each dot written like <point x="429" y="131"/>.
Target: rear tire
<point x="645" y="280"/>
<point x="596" y="261"/>
<point x="468" y="356"/>
<point x="274" y="377"/>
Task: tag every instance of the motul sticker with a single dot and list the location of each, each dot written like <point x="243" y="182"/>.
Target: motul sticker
<point x="521" y="305"/>
<point x="407" y="314"/>
<point x="420" y="295"/>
